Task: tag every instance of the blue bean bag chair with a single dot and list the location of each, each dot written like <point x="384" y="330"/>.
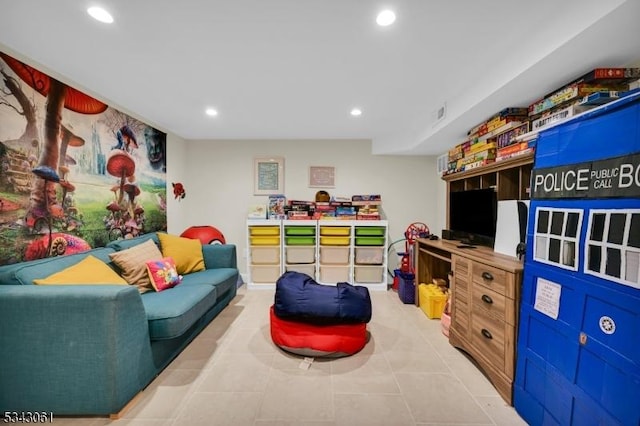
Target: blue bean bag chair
<point x="300" y="298"/>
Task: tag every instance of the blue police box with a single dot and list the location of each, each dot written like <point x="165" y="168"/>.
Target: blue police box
<point x="578" y="350"/>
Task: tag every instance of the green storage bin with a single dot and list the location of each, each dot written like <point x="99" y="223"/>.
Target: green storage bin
<point x="300" y="241"/>
<point x="370" y="231"/>
<point x="369" y="241"/>
<point x="300" y="230"/>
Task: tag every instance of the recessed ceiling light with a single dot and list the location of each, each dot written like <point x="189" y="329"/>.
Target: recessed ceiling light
<point x="100" y="14"/>
<point x="386" y="17"/>
<point x="356" y="112"/>
<point x="211" y="112"/>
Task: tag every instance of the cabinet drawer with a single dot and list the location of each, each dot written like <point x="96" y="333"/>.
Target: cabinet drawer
<point x="493" y="278"/>
<point x="300" y="230"/>
<point x="265" y="255"/>
<point x="370" y="231"/>
<point x="488" y="336"/>
<point x="264" y="230"/>
<point x="491" y="303"/>
<point x="335" y="230"/>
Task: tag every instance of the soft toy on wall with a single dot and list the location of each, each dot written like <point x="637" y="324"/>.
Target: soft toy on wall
<point x="178" y="190"/>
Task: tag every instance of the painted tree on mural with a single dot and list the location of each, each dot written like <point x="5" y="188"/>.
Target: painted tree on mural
<point x="43" y="201"/>
<point x="27" y="109"/>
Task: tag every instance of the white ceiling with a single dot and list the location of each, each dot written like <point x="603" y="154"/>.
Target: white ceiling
<point x="293" y="69"/>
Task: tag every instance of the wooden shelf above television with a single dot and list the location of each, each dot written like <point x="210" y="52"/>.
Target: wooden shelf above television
<point x="510" y="178"/>
<point x="522" y="160"/>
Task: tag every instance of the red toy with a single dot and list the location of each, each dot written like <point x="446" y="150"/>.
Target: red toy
<point x="206" y="234"/>
<point x="178" y="190"/>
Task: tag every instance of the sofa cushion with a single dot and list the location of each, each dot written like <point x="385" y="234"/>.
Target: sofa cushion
<point x="222" y="278"/>
<point x="171" y="312"/>
<point x="89" y="270"/>
<point x="131" y="242"/>
<point x="25" y="272"/>
<point x="186" y="252"/>
<point x="163" y="273"/>
<point x="132" y="263"/>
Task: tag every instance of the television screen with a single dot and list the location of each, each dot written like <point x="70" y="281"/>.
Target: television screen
<point x="473" y="214"/>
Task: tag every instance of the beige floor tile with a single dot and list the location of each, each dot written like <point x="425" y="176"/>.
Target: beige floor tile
<point x="163" y="397"/>
<point x="416" y="362"/>
<point x="474" y="380"/>
<point x="233" y="372"/>
<point x="371" y="410"/>
<point x="501" y="413"/>
<point x="364" y="375"/>
<point x="253" y="340"/>
<point x="295" y="423"/>
<point x="440" y="398"/>
<point x="297" y="394"/>
<point x="219" y="408"/>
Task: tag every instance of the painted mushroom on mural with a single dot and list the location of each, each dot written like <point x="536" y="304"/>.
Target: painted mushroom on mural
<point x="58" y="97"/>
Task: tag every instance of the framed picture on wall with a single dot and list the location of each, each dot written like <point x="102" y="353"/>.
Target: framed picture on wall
<point x="268" y="176"/>
<point x="322" y="177"/>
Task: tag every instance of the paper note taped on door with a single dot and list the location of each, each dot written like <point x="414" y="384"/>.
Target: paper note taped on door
<point x="547" y="298"/>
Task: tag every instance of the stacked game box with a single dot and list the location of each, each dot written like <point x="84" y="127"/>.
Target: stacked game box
<point x="598" y="86"/>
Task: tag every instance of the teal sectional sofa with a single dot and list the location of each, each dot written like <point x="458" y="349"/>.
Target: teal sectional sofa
<point x="90" y="349"/>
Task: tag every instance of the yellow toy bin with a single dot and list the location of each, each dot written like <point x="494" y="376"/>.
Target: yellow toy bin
<point x="432" y="300"/>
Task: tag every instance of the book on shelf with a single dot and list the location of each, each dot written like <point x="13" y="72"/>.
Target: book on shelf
<point x="572" y="92"/>
<point x="257" y="211"/>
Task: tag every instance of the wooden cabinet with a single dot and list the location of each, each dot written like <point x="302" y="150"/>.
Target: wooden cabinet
<point x="485" y="297"/>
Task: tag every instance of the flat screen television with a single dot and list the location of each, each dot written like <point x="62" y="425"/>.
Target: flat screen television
<point x="472" y="216"/>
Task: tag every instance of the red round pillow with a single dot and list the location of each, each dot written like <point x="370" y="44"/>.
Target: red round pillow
<point x="332" y="341"/>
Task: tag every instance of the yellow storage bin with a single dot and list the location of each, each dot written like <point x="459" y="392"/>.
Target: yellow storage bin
<point x="335" y="241"/>
<point x="432" y="300"/>
<point x="265" y="241"/>
<point x="335" y="230"/>
<point x="264" y="230"/>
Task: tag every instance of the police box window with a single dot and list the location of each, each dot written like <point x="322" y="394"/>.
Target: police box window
<point x="556" y="237"/>
<point x="613" y="246"/>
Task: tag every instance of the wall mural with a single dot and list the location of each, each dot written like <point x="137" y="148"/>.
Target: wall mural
<point x="74" y="172"/>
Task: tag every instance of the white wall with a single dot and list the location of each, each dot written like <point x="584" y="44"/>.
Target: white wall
<point x="218" y="177"/>
<point x="176" y="164"/>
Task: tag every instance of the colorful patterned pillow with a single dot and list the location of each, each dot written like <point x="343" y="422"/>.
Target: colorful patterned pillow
<point x="163" y="273"/>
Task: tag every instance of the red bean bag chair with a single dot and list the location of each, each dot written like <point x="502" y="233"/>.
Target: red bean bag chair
<point x="333" y="341"/>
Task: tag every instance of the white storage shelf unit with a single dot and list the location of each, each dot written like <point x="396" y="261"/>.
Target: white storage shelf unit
<point x="330" y="251"/>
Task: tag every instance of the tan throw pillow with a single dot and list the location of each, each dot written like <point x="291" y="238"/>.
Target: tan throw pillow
<point x="186" y="252"/>
<point x="89" y="271"/>
<point x="133" y="263"/>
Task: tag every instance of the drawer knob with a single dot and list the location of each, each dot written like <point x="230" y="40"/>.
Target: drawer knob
<point x="487" y="299"/>
<point x="486" y="333"/>
<point x="487" y="276"/>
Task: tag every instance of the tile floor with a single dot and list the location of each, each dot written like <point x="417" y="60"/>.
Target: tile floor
<point x="233" y="374"/>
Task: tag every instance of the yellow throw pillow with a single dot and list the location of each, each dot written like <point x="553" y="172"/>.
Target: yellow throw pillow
<point x="132" y="263"/>
<point x="89" y="270"/>
<point x="186" y="252"/>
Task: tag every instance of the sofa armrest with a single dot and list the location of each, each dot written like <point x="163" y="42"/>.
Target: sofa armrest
<point x="219" y="256"/>
<point x="72" y="349"/>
